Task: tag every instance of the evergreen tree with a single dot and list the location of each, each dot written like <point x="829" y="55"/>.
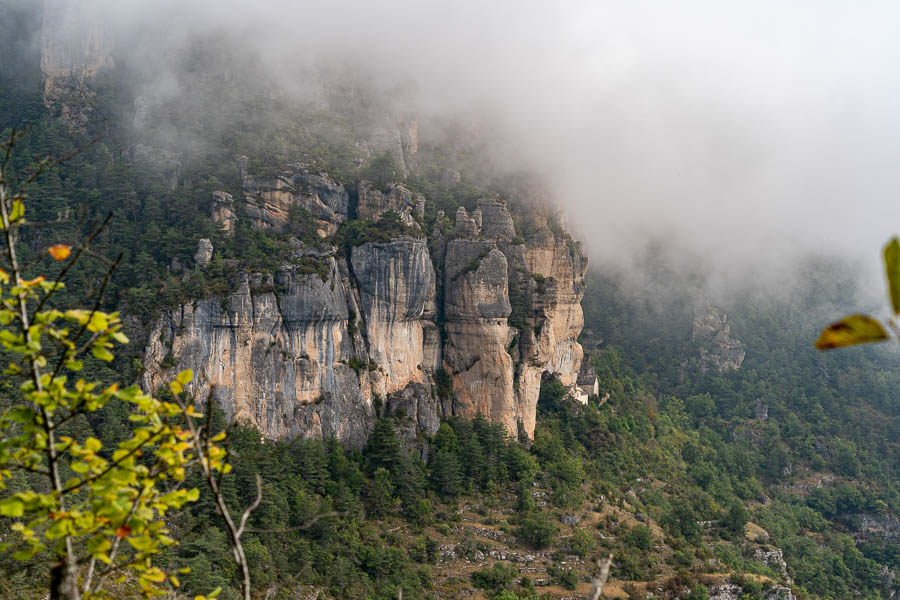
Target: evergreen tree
<point x="384" y="450"/>
<point x="446" y="474"/>
<point x="380" y="494"/>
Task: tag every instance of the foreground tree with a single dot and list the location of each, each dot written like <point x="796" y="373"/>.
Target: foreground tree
<point x="92" y="514"/>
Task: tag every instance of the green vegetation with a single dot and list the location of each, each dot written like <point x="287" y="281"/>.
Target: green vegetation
<point x="669" y="474"/>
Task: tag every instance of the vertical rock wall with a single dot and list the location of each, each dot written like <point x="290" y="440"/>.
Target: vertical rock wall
<point x="317" y="354"/>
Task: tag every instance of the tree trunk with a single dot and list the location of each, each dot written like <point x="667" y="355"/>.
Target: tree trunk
<point x="63" y="581"/>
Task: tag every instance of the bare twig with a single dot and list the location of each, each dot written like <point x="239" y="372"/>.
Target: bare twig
<point x="202" y="447"/>
<point x="73" y="260"/>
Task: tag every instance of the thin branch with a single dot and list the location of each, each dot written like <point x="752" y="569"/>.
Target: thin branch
<point x="72" y="261"/>
<point x="62" y="574"/>
<point x="112" y="552"/>
<point x="110" y="466"/>
<point x="202" y="447"/>
<point x="252" y="507"/>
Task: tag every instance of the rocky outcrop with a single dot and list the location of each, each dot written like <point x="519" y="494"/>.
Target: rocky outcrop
<point x="204" y="252"/>
<point x="730" y="591"/>
<point x="223" y="211"/>
<point x="476" y="310"/>
<point x="712" y="336"/>
<point x="884" y="527"/>
<point x="396" y="288"/>
<point x="317" y="348"/>
<point x="74" y="49"/>
<point x="275" y="353"/>
<point x="270" y="201"/>
<point x="772" y="558"/>
<point x="524" y="297"/>
<point x="374" y="202"/>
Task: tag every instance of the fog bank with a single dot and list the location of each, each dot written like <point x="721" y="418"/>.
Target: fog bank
<point x="740" y="133"/>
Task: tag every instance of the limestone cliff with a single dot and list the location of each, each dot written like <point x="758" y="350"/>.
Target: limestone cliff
<point x="340" y="333"/>
<point x="269" y="200"/>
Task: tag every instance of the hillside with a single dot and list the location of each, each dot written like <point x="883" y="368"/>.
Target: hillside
<point x="438" y="394"/>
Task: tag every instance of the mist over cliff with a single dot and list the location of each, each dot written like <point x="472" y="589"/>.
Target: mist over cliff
<point x="742" y="135"/>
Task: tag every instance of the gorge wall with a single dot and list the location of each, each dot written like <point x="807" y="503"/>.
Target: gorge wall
<point x="462" y="321"/>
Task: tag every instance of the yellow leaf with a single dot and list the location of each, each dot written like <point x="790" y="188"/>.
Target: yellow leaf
<point x="849" y="331"/>
<point x="99" y="322"/>
<point x="892" y="270"/>
<point x="60" y="251"/>
<point x="154" y="574"/>
<point x="12" y="507"/>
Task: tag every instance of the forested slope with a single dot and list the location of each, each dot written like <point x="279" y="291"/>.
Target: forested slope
<point x="780" y="475"/>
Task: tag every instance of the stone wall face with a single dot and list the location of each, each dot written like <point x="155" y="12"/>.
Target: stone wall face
<point x="299" y="353"/>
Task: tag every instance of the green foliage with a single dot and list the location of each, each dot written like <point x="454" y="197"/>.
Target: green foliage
<point x="382" y="170"/>
<point x="359" y="232"/>
<point x="107" y="506"/>
<point x="499" y="576"/>
<point x="537" y="529"/>
<point x="640" y="537"/>
<point x="581" y="543"/>
<point x="736" y="518"/>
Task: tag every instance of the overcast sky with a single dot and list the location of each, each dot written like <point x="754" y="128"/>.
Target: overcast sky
<point x="741" y="131"/>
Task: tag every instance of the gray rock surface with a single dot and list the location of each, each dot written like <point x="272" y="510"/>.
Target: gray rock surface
<point x="204" y="252"/>
<point x="373" y="203"/>
<point x="223" y="210"/>
<point x="711" y="333"/>
<point x="306" y="350"/>
<point x="270" y="199"/>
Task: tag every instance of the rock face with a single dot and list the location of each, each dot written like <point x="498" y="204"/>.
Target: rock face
<point x="74" y="49"/>
<point x="773" y="558"/>
<point x="274" y="353"/>
<point x="476" y="310"/>
<point x="882" y="527"/>
<point x="730" y="591"/>
<point x="223" y="211"/>
<point x="333" y="336"/>
<point x="204" y="252"/>
<point x="270" y="199"/>
<point x="712" y="335"/>
<point x="373" y="203"/>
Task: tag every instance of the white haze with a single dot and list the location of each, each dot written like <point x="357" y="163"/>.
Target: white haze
<point x="741" y="133"/>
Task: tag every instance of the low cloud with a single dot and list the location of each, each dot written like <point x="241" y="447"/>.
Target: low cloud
<point x="742" y="134"/>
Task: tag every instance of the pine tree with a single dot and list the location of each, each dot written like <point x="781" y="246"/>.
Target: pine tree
<point x="380" y="494"/>
<point x="383" y="449"/>
<point x="446" y="474"/>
